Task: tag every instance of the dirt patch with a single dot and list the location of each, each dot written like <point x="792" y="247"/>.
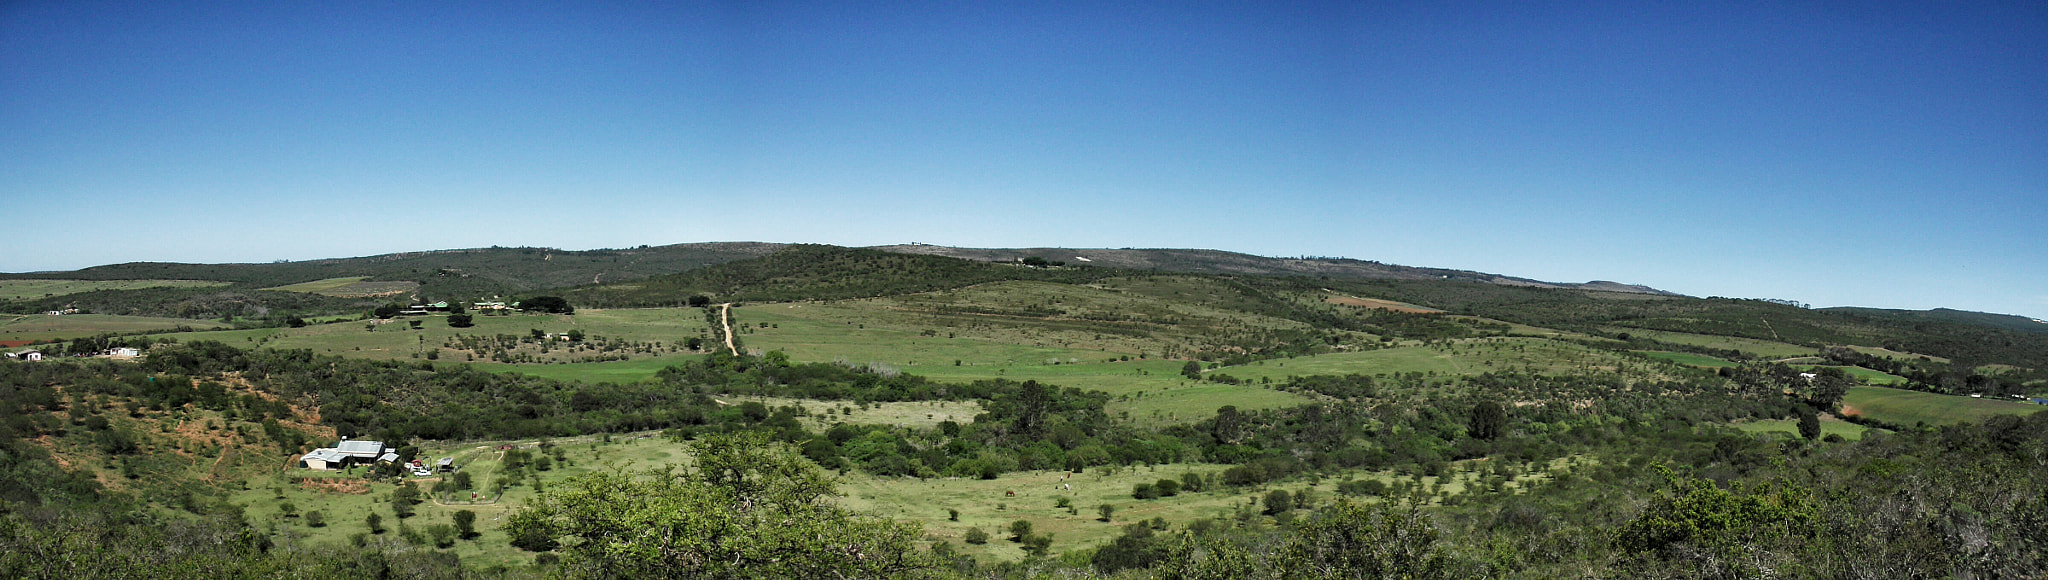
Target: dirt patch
<point x="1850" y="411"/>
<point x="329" y="485"/>
<point x="1380" y="304"/>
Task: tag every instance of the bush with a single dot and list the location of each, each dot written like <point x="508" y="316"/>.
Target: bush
<point x="1167" y="487"/>
<point x="976" y="536"/>
<point x="1020" y="530"/>
<point x="1278" y="502"/>
<point x="1144" y="491"/>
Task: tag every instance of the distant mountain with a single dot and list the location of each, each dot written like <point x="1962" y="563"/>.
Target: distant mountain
<point x="1233" y="263"/>
<point x="448" y="274"/>
<point x="2004" y="321"/>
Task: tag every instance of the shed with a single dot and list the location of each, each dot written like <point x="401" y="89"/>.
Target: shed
<point x="445" y="464"/>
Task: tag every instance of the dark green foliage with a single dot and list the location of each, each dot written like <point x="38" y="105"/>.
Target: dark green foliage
<point x="1144" y="491"/>
<point x="976" y="536"/>
<point x="1019" y="530"/>
<point x="768" y="509"/>
<point x="1809" y="424"/>
<point x="1278" y="502"/>
<point x="1167" y="487"/>
<point x="548" y="304"/>
<point x="1488" y="420"/>
<point x="461" y="321"/>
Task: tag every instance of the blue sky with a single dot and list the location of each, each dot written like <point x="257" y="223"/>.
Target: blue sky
<point x="1870" y="154"/>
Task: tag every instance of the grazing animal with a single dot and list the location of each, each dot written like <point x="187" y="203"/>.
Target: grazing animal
<point x="1009" y="493"/>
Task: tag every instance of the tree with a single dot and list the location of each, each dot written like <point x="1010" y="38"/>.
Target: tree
<point x="1347" y="540"/>
<point x="461" y="321"/>
<point x="1720" y="533"/>
<point x="1488" y="420"/>
<point x="465" y="524"/>
<point x="387" y="311"/>
<point x="1019" y="530"/>
<point x="1278" y="501"/>
<point x="376" y="523"/>
<point x="548" y="304"/>
<point x="575" y="335"/>
<point x="750" y="508"/>
<point x="1809" y="423"/>
<point x="1037" y="545"/>
<point x="1193" y="371"/>
<point x="1143" y="491"/>
<point x="294" y="322"/>
<point x="1106" y="510"/>
<point x="315" y="519"/>
<point x="1167" y="487"/>
<point x="699" y="301"/>
<point x="976" y="536"/>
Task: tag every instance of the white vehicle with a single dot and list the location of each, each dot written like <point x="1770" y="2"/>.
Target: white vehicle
<point x="421" y="473"/>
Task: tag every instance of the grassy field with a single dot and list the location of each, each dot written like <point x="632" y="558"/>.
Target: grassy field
<point x="395" y="339"/>
<point x="1829" y="425"/>
<point x="70" y="326"/>
<point x="1902" y="407"/>
<point x="1896" y="355"/>
<point x="1466" y="357"/>
<point x="1863" y="374"/>
<point x="35" y="289"/>
<point x="1688" y="359"/>
<point x="350" y="287"/>
<point x="1753" y="347"/>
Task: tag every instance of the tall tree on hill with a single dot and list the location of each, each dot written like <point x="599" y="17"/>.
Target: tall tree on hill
<point x="1488" y="420"/>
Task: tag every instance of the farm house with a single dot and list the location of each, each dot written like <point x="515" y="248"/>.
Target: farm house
<point x="346" y="454"/>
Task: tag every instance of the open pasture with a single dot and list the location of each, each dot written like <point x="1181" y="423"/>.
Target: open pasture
<point x="1908" y="408"/>
<point x="1379" y="304"/>
<point x="1464" y="357"/>
<point x="350" y="287"/>
<point x="38" y="289"/>
<point x="70" y="326"/>
<point x="1829" y="425"/>
<point x="1862" y="374"/>
<point x="1688" y="359"/>
<point x="1897" y="355"/>
<point x="1752" y="347"/>
<point x="395" y="339"/>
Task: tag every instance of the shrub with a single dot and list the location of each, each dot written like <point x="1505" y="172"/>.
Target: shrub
<point x="976" y="536"/>
<point x="1167" y="487"/>
<point x="1144" y="491"/>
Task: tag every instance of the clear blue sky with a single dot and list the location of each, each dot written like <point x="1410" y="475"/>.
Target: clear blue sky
<point x="1889" y="155"/>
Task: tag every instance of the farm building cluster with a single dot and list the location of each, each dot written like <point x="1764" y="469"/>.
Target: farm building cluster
<point x="360" y="452"/>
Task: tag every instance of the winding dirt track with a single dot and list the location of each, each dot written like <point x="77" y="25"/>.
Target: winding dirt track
<point x="725" y="319"/>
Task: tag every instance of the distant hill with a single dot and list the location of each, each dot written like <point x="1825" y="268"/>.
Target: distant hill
<point x="819" y="272"/>
<point x="447" y="274"/>
<point x="1233" y="263"/>
<point x="1986" y="319"/>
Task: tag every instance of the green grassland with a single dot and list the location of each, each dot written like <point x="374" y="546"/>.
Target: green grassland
<point x="1463" y="357"/>
<point x="350" y="287"/>
<point x="20" y="289"/>
<point x="1750" y="346"/>
<point x="1688" y="359"/>
<point x="1862" y="374"/>
<point x="1829" y="425"/>
<point x="1907" y="408"/>
<point x="1896" y="355"/>
<point x="395" y="339"/>
<point x="70" y="326"/>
